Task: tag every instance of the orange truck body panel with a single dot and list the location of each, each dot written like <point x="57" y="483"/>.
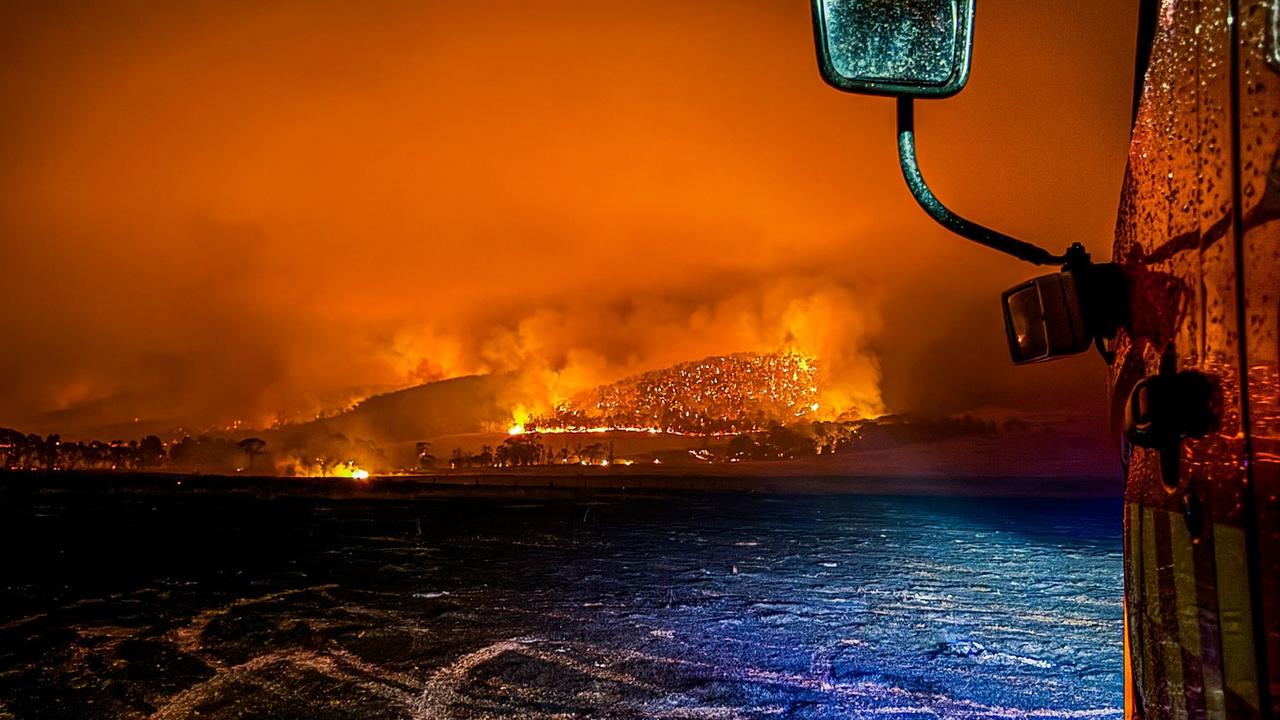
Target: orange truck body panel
<point x="1199" y="238"/>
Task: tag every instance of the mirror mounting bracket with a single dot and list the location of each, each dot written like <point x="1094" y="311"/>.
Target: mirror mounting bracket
<point x="1074" y="256"/>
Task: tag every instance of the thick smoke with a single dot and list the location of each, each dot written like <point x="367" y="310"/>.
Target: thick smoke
<point x="247" y="212"/>
<point x="559" y="351"/>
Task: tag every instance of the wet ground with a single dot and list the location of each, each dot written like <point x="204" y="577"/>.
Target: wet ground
<point x="139" y="605"/>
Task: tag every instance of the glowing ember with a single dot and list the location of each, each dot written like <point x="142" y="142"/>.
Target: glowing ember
<point x="714" y="396"/>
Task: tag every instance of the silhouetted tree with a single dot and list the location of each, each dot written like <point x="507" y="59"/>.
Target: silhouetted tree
<point x="520" y="451"/>
<point x="49" y="452"/>
<point x="31" y="452"/>
<point x="252" y="448"/>
<point x="70" y="455"/>
<point x="12" y="447"/>
<point x="151" y="452"/>
<point x="592" y="454"/>
<point x="425" y="459"/>
<point x="97" y="454"/>
<point x="459" y="459"/>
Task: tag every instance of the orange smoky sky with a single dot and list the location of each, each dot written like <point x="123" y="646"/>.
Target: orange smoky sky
<point x="213" y="211"/>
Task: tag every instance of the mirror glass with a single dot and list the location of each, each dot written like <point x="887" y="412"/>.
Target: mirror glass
<point x="1044" y="320"/>
<point x="1025" y="324"/>
<point x="918" y="48"/>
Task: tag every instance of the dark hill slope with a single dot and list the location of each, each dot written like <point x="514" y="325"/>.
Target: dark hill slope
<point x="465" y="404"/>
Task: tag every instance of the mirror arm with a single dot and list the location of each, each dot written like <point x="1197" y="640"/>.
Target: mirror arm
<point x="956" y="224"/>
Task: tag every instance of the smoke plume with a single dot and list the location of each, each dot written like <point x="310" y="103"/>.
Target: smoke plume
<point x="234" y="211"/>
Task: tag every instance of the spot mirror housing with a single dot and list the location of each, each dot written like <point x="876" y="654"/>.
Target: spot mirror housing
<point x="1063" y="313"/>
<point x="1043" y="320"/>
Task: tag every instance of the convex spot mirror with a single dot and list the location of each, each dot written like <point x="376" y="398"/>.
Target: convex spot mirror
<point x="908" y="48"/>
<point x="1043" y="319"/>
<point x="1064" y="313"/>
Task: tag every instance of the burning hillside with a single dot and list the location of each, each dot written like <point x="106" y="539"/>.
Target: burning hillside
<point x="714" y="396"/>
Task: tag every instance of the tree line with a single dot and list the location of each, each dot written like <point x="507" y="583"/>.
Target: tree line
<point x="528" y="450"/>
<point x="20" y="451"/>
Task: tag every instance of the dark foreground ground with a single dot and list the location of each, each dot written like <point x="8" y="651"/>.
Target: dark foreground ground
<point x="141" y="603"/>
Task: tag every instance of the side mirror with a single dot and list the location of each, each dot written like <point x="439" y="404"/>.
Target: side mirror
<point x="905" y="48"/>
<point x="1043" y="320"/>
<point x="909" y="49"/>
<point x="1063" y="313"/>
<point x="913" y="49"/>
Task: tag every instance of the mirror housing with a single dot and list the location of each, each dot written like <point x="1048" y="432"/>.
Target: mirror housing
<point x="1043" y="320"/>
<point x="1063" y="313"/>
<point x="904" y="48"/>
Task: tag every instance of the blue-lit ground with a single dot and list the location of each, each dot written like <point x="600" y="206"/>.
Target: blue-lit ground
<point x="682" y="606"/>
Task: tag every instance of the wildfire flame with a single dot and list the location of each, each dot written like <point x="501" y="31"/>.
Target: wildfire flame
<point x="347" y="470"/>
<point x="712" y="397"/>
<point x="520" y="417"/>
